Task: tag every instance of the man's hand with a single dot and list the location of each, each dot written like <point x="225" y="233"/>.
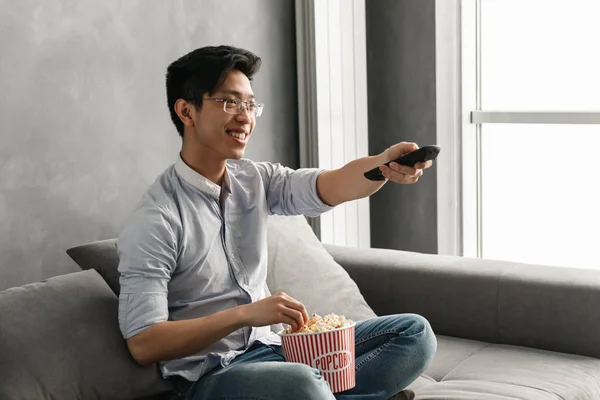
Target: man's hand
<point x="279" y="308"/>
<point x="401" y="173"/>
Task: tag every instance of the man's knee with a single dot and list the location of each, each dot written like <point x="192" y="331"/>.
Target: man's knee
<point x="425" y="345"/>
<point x="305" y="382"/>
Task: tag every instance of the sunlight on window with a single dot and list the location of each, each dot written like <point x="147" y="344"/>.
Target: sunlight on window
<point x="541" y="194"/>
<point x="540" y="54"/>
<point x="541" y="182"/>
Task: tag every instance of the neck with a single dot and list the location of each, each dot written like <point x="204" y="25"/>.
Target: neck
<point x="204" y="162"/>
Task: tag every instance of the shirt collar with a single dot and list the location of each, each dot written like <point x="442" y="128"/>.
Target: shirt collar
<point x="199" y="181"/>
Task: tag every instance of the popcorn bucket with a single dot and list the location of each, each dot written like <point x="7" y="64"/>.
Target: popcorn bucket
<point x="331" y="352"/>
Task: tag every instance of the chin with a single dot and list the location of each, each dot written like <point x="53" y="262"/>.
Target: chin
<point x="236" y="155"/>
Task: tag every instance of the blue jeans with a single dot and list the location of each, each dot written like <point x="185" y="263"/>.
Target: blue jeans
<point x="391" y="352"/>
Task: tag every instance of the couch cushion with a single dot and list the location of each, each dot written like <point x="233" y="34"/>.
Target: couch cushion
<point x="420" y="382"/>
<point x="300" y="266"/>
<point x="100" y="256"/>
<point x="450" y="353"/>
<point x="501" y="372"/>
<point x="60" y="339"/>
<point x="479" y="390"/>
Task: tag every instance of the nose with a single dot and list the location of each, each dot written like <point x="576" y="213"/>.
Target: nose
<point x="244" y="116"/>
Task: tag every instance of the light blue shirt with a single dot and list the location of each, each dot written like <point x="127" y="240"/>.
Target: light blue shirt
<point x="187" y="251"/>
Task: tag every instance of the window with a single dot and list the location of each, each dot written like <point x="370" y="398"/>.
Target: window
<point x="531" y="86"/>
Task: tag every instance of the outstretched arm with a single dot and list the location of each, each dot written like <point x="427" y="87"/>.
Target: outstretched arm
<point x="348" y="182"/>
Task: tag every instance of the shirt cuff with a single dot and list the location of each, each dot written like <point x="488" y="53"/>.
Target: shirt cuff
<point x="313" y="205"/>
<point x="138" y="312"/>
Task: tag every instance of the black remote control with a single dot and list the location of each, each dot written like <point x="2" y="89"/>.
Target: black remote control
<point x="422" y="154"/>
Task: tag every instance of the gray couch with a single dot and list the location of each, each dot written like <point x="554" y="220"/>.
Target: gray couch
<point x="505" y="330"/>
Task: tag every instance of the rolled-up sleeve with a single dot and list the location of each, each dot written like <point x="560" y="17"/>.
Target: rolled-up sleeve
<point x="147" y="256"/>
<point x="292" y="192"/>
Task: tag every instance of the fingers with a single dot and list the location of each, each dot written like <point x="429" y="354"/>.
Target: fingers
<point x="294" y="317"/>
<point x="408" y="146"/>
<point x="299" y="307"/>
<point x="291" y="322"/>
<point x="294" y="304"/>
<point x="424" y="165"/>
<point x="404" y="170"/>
<point x="304" y="315"/>
<point x="401" y="173"/>
<point x="399" y="149"/>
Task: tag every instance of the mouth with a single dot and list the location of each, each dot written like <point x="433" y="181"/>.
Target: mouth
<point x="239" y="135"/>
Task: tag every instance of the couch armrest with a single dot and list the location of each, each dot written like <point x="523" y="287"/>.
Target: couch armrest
<point x="458" y="297"/>
<point x="494" y="301"/>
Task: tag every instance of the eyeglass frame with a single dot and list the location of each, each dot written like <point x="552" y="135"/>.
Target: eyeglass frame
<point x="243" y="105"/>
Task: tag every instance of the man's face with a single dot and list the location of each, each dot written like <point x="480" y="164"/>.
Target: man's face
<point x="223" y="134"/>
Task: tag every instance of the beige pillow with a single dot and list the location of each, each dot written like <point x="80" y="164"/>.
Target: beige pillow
<point x="300" y="266"/>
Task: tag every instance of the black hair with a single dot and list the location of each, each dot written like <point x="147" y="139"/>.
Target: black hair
<point x="203" y="71"/>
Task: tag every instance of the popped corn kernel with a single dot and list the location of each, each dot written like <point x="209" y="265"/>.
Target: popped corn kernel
<point x="329" y="322"/>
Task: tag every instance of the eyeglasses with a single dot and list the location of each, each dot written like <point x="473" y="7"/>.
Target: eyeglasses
<point x="237" y="106"/>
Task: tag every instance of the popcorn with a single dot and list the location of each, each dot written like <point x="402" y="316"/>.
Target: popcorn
<point x="316" y="323"/>
<point x="326" y="344"/>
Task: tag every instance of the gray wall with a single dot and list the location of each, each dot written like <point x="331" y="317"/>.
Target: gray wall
<point x="84" y="126"/>
<point x="401" y="95"/>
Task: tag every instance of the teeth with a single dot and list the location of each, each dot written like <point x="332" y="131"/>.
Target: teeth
<point x="238" y="135"/>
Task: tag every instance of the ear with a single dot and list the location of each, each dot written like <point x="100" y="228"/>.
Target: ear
<point x="186" y="112"/>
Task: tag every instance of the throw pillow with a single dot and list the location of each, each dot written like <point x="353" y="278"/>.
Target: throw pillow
<point x="300" y="266"/>
<point x="100" y="256"/>
<point x="60" y="339"/>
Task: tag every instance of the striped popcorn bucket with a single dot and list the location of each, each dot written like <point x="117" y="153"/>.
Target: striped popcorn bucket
<point x="330" y="352"/>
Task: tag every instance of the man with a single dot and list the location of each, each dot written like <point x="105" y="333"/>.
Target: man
<point x="193" y="253"/>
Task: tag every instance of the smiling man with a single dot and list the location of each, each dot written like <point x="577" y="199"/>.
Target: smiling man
<point x="193" y="259"/>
